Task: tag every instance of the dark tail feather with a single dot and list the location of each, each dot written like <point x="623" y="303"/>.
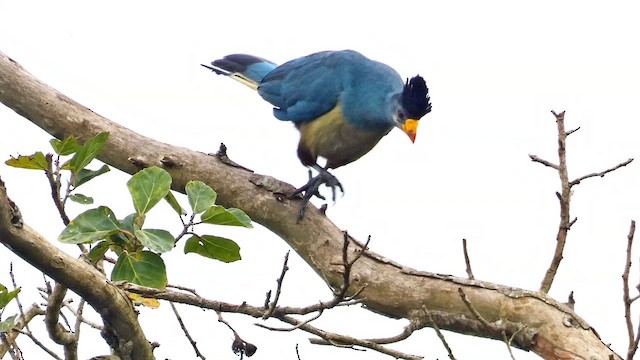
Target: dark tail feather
<point x="247" y="69"/>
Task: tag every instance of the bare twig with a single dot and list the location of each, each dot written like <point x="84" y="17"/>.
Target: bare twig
<point x="193" y="291"/>
<point x="565" y="200"/>
<point x="80" y="317"/>
<point x="273" y="305"/>
<point x="572" y="131"/>
<point x="53" y="175"/>
<point x="20" y="324"/>
<point x="12" y="348"/>
<point x="15" y="286"/>
<point x="634" y="338"/>
<point x="564" y="197"/>
<point x="328" y="338"/>
<point x="602" y="173"/>
<point x="571" y="301"/>
<point x="488" y="325"/>
<point x="437" y="329"/>
<point x="475" y="312"/>
<point x="295" y="327"/>
<point x="239" y="346"/>
<point x="186" y="332"/>
<point x="340" y="294"/>
<point x="30" y="335"/>
<point x="466" y="260"/>
<point x="535" y="158"/>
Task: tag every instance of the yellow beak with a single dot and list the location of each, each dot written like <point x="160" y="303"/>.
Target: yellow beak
<point x="410" y="127"/>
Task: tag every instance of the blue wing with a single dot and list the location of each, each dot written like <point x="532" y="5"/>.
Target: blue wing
<point x="305" y="88"/>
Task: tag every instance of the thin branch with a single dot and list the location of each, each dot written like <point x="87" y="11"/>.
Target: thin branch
<point x="239" y="346"/>
<point x="11" y="346"/>
<point x="467" y="262"/>
<point x="80" y="317"/>
<point x="20" y="324"/>
<point x="347" y="265"/>
<point x="329" y="338"/>
<point x="565" y="201"/>
<point x="54" y="182"/>
<point x="15" y="286"/>
<point x="475" y="312"/>
<point x="572" y="131"/>
<point x="535" y="158"/>
<point x="193" y="291"/>
<point x="186" y="332"/>
<point x="602" y="173"/>
<point x="438" y="332"/>
<point x="295" y="327"/>
<point x="488" y="325"/>
<point x="633" y="339"/>
<point x="273" y="305"/>
<point x="30" y="335"/>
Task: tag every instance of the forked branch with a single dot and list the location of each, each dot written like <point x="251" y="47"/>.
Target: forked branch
<point x="564" y="196"/>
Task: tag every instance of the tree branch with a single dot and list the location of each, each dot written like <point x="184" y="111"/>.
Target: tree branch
<point x="186" y="332"/>
<point x="602" y="173"/>
<point x="565" y="203"/>
<point x="56" y="331"/>
<point x="633" y="337"/>
<point x="111" y="303"/>
<point x="316" y="239"/>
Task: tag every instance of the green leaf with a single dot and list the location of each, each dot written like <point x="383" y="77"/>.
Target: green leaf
<point x="200" y="196"/>
<point x="148" y="187"/>
<point x="66" y="147"/>
<point x="87" y="152"/>
<point x="143" y="268"/>
<point x="36" y="161"/>
<point x="98" y="251"/>
<point x="175" y="205"/>
<point x="90" y="226"/>
<point x="6" y="296"/>
<point x="218" y="215"/>
<point x="213" y="247"/>
<point x="126" y="225"/>
<point x="8" y="324"/>
<point x="156" y="240"/>
<point x="81" y="199"/>
<point x="85" y="175"/>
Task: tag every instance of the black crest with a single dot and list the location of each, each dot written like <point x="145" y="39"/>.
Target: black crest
<point x="415" y="98"/>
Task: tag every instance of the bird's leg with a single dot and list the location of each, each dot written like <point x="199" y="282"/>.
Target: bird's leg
<point x="311" y="188"/>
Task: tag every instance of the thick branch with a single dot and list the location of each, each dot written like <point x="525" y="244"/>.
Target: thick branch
<point x="56" y="331"/>
<point x="392" y="289"/>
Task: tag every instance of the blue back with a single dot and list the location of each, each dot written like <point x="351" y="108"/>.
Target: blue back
<point x="305" y="88"/>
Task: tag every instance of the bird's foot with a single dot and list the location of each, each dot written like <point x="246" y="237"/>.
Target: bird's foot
<point x="311" y="189"/>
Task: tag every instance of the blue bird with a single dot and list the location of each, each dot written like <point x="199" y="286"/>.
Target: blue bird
<point x="341" y="102"/>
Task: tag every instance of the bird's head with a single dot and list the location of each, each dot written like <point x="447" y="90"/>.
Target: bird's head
<point x="414" y="104"/>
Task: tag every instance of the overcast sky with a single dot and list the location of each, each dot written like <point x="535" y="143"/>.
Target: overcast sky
<point x="495" y="70"/>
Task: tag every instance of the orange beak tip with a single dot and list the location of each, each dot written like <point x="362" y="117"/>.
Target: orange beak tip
<point x="410" y="127"/>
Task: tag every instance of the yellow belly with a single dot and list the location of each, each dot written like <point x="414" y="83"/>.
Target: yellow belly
<point x="330" y="137"/>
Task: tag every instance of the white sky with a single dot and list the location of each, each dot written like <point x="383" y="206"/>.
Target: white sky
<point x="495" y="70"/>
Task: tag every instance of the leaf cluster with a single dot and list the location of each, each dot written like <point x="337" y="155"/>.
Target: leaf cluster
<point x="137" y="247"/>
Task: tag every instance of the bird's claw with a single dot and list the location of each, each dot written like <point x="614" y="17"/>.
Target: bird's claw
<point x="311" y="189"/>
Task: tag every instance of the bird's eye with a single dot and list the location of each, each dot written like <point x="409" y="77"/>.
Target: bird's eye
<point x="401" y="115"/>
